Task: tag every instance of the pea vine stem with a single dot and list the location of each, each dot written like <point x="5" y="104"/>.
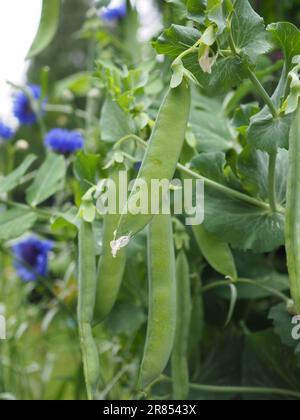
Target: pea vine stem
<point x="236" y="389"/>
<point x="249" y="282"/>
<point x="270" y="104"/>
<point x="219" y="187"/>
<point x="272" y="181"/>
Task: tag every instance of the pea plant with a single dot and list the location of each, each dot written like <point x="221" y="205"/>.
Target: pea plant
<point x="165" y="309"/>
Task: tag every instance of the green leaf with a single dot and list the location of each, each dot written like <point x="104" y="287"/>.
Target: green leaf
<point x="86" y="167"/>
<point x="48" y="27"/>
<point x="283" y="326"/>
<point x="68" y="219"/>
<point x="11" y="181"/>
<point x="267" y="363"/>
<point x="270" y="134"/>
<point x="253" y="167"/>
<point x="211" y="129"/>
<point x="49" y="179"/>
<point x="216" y="252"/>
<point x="215" y="13"/>
<point x="78" y="84"/>
<point x="15" y="222"/>
<point x="248" y="31"/>
<point x="227" y="73"/>
<point x="286" y="36"/>
<point x="196" y="10"/>
<point x="114" y="122"/>
<point x="242" y="225"/>
<point x="178" y="73"/>
<point x="175" y="40"/>
<point x="211" y="165"/>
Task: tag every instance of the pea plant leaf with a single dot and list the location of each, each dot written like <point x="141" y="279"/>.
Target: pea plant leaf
<point x="212" y="130"/>
<point x="248" y="31"/>
<point x="114" y="122"/>
<point x="282" y="322"/>
<point x="243" y="225"/>
<point x="49" y="179"/>
<point x="48" y="27"/>
<point x="176" y="39"/>
<point x="15" y="222"/>
<point x="269" y="134"/>
<point x="264" y="132"/>
<point x="267" y="363"/>
<point x="215" y="13"/>
<point x="227" y="73"/>
<point x="195" y="10"/>
<point x="286" y="36"/>
<point x="12" y="180"/>
<point x="252" y="169"/>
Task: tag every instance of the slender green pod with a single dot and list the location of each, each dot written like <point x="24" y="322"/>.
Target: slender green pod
<point x="196" y="325"/>
<point x="162" y="300"/>
<point x="293" y="211"/>
<point x="160" y="159"/>
<point x="110" y="270"/>
<point x="217" y="253"/>
<point x="180" y="368"/>
<point x="86" y="303"/>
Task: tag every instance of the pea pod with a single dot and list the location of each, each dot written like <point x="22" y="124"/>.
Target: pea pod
<point x="86" y="303"/>
<point x="111" y="270"/>
<point x="196" y="326"/>
<point x="217" y="253"/>
<point x="293" y="211"/>
<point x="162" y="300"/>
<point x="180" y="369"/>
<point x="161" y="156"/>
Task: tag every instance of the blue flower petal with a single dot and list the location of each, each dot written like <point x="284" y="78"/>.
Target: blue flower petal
<point x="6" y="133"/>
<point x="31" y="258"/>
<point x="64" y="141"/>
<point x="114" y="13"/>
<point x="22" y="108"/>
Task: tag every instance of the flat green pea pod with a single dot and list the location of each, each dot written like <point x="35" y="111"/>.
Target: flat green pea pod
<point x="110" y="270"/>
<point x="293" y="212"/>
<point x="86" y="303"/>
<point x="217" y="253"/>
<point x="162" y="300"/>
<point x="180" y="369"/>
<point x="160" y="160"/>
<point x="196" y="326"/>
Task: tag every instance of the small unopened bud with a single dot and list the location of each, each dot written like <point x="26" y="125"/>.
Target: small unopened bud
<point x="22" y="145"/>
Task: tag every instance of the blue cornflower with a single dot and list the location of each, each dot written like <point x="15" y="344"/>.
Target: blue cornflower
<point x="116" y="11"/>
<point x="64" y="141"/>
<point x="6" y="133"/>
<point x="22" y="108"/>
<point x="31" y="258"/>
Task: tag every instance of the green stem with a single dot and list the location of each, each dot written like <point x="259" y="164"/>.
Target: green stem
<point x="245" y="390"/>
<point x="236" y="389"/>
<point x="190" y="50"/>
<point x="252" y="76"/>
<point x="42" y="213"/>
<point x="262" y="92"/>
<point x="219" y="187"/>
<point x="270" y="290"/>
<point x="272" y="181"/>
<point x="225" y="190"/>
